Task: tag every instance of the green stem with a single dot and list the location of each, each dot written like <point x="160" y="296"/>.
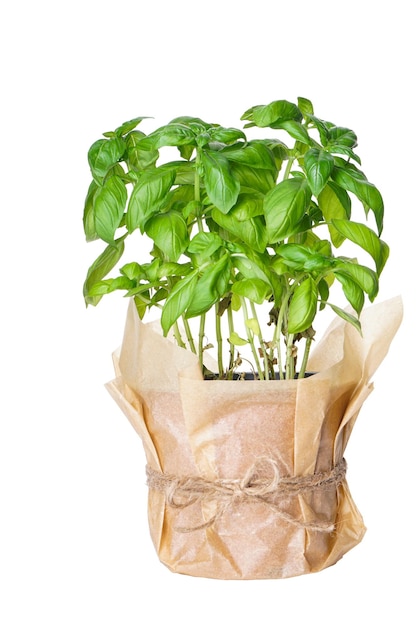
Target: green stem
<point x="305" y="358"/>
<point x="178" y="337"/>
<point x="189" y="334"/>
<point x="249" y="335"/>
<point x="261" y="341"/>
<point x="231" y="346"/>
<point x="201" y="339"/>
<point x="288" y="168"/>
<point x="278" y="332"/>
<point x="219" y="339"/>
<point x="289" y="366"/>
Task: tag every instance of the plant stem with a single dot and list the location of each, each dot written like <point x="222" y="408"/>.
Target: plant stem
<point x="231" y="330"/>
<point x="189" y="334"/>
<point x="277" y="334"/>
<point x="261" y="341"/>
<point x="289" y="366"/>
<point x="288" y="168"/>
<point x="178" y="337"/>
<point x="219" y="339"/>
<point x="201" y="339"/>
<point x="305" y="358"/>
<point x="249" y="335"/>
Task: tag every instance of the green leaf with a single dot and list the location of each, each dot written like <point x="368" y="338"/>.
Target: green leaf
<point x="353" y="180"/>
<point x="319" y="165"/>
<point x="342" y="137"/>
<point x="88" y="215"/>
<point x="305" y="106"/>
<point x="247" y="206"/>
<point x="364" y="237"/>
<point x="129" y="126"/>
<point x="103" y="154"/>
<point x="301" y="257"/>
<point x="303" y="306"/>
<point x="251" y="231"/>
<point x="285" y="206"/>
<point x="295" y="130"/>
<point x="205" y="244"/>
<point x="226" y="135"/>
<point x="133" y="270"/>
<point x="178" y="301"/>
<point x="273" y="113"/>
<point x="109" y="205"/>
<point x="253" y="325"/>
<point x="366" y="278"/>
<point x="256" y="154"/>
<point x="347" y="317"/>
<point x="221" y="186"/>
<point x="235" y="340"/>
<point x="353" y="292"/>
<point x="211" y="287"/>
<point x="253" y="179"/>
<point x="147" y="196"/>
<point x="169" y="232"/>
<point x="137" y="158"/>
<point x="173" y="134"/>
<point x="334" y="203"/>
<point x="254" y="289"/>
<point x="111" y="284"/>
<point x="248" y="268"/>
<point x="101" y="267"/>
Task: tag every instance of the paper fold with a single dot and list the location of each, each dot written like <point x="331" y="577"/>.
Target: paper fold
<point x="217" y="429"/>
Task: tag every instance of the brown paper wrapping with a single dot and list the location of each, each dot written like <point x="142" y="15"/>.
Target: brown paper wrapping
<point x="218" y="429"/>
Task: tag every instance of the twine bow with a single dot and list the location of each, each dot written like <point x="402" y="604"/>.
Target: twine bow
<point x="182" y="492"/>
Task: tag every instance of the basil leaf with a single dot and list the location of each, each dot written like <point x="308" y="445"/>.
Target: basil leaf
<point x="211" y="287"/>
<point x="129" y="126"/>
<point x="334" y="203"/>
<point x="353" y="180"/>
<point x="364" y="237"/>
<point x="169" y="232"/>
<point x="101" y="267"/>
<point x="256" y="154"/>
<point x="88" y="215"/>
<point x="178" y="301"/>
<point x="103" y="154"/>
<point x="137" y="158"/>
<point x="366" y="278"/>
<point x="109" y="206"/>
<point x="221" y="186"/>
<point x="205" y="244"/>
<point x="353" y="292"/>
<point x="347" y="317"/>
<point x="285" y="206"/>
<point x="273" y="113"/>
<point x="319" y="165"/>
<point x="303" y="306"/>
<point x="251" y="231"/>
<point x="254" y="289"/>
<point x="147" y="197"/>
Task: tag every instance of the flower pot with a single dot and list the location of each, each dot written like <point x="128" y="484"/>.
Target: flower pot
<point x="248" y="480"/>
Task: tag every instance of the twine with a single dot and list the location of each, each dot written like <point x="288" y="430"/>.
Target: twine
<point x="182" y="492"/>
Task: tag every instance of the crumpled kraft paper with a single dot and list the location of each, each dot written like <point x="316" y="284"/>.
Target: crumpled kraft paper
<point x="219" y="429"/>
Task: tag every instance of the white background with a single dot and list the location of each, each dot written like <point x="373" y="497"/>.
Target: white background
<point x="74" y="543"/>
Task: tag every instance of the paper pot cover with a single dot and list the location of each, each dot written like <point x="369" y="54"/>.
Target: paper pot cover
<point x="231" y="464"/>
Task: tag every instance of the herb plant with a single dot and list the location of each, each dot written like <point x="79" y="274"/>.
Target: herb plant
<point x="237" y="227"/>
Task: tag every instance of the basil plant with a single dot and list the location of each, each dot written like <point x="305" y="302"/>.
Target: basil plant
<point x="242" y="232"/>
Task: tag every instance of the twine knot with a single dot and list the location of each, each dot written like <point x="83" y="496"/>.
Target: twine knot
<point x="183" y="491"/>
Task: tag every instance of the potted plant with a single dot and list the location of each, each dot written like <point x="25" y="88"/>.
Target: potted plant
<point x="247" y="239"/>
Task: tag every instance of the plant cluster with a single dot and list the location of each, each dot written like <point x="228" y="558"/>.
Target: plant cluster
<point x="236" y="223"/>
